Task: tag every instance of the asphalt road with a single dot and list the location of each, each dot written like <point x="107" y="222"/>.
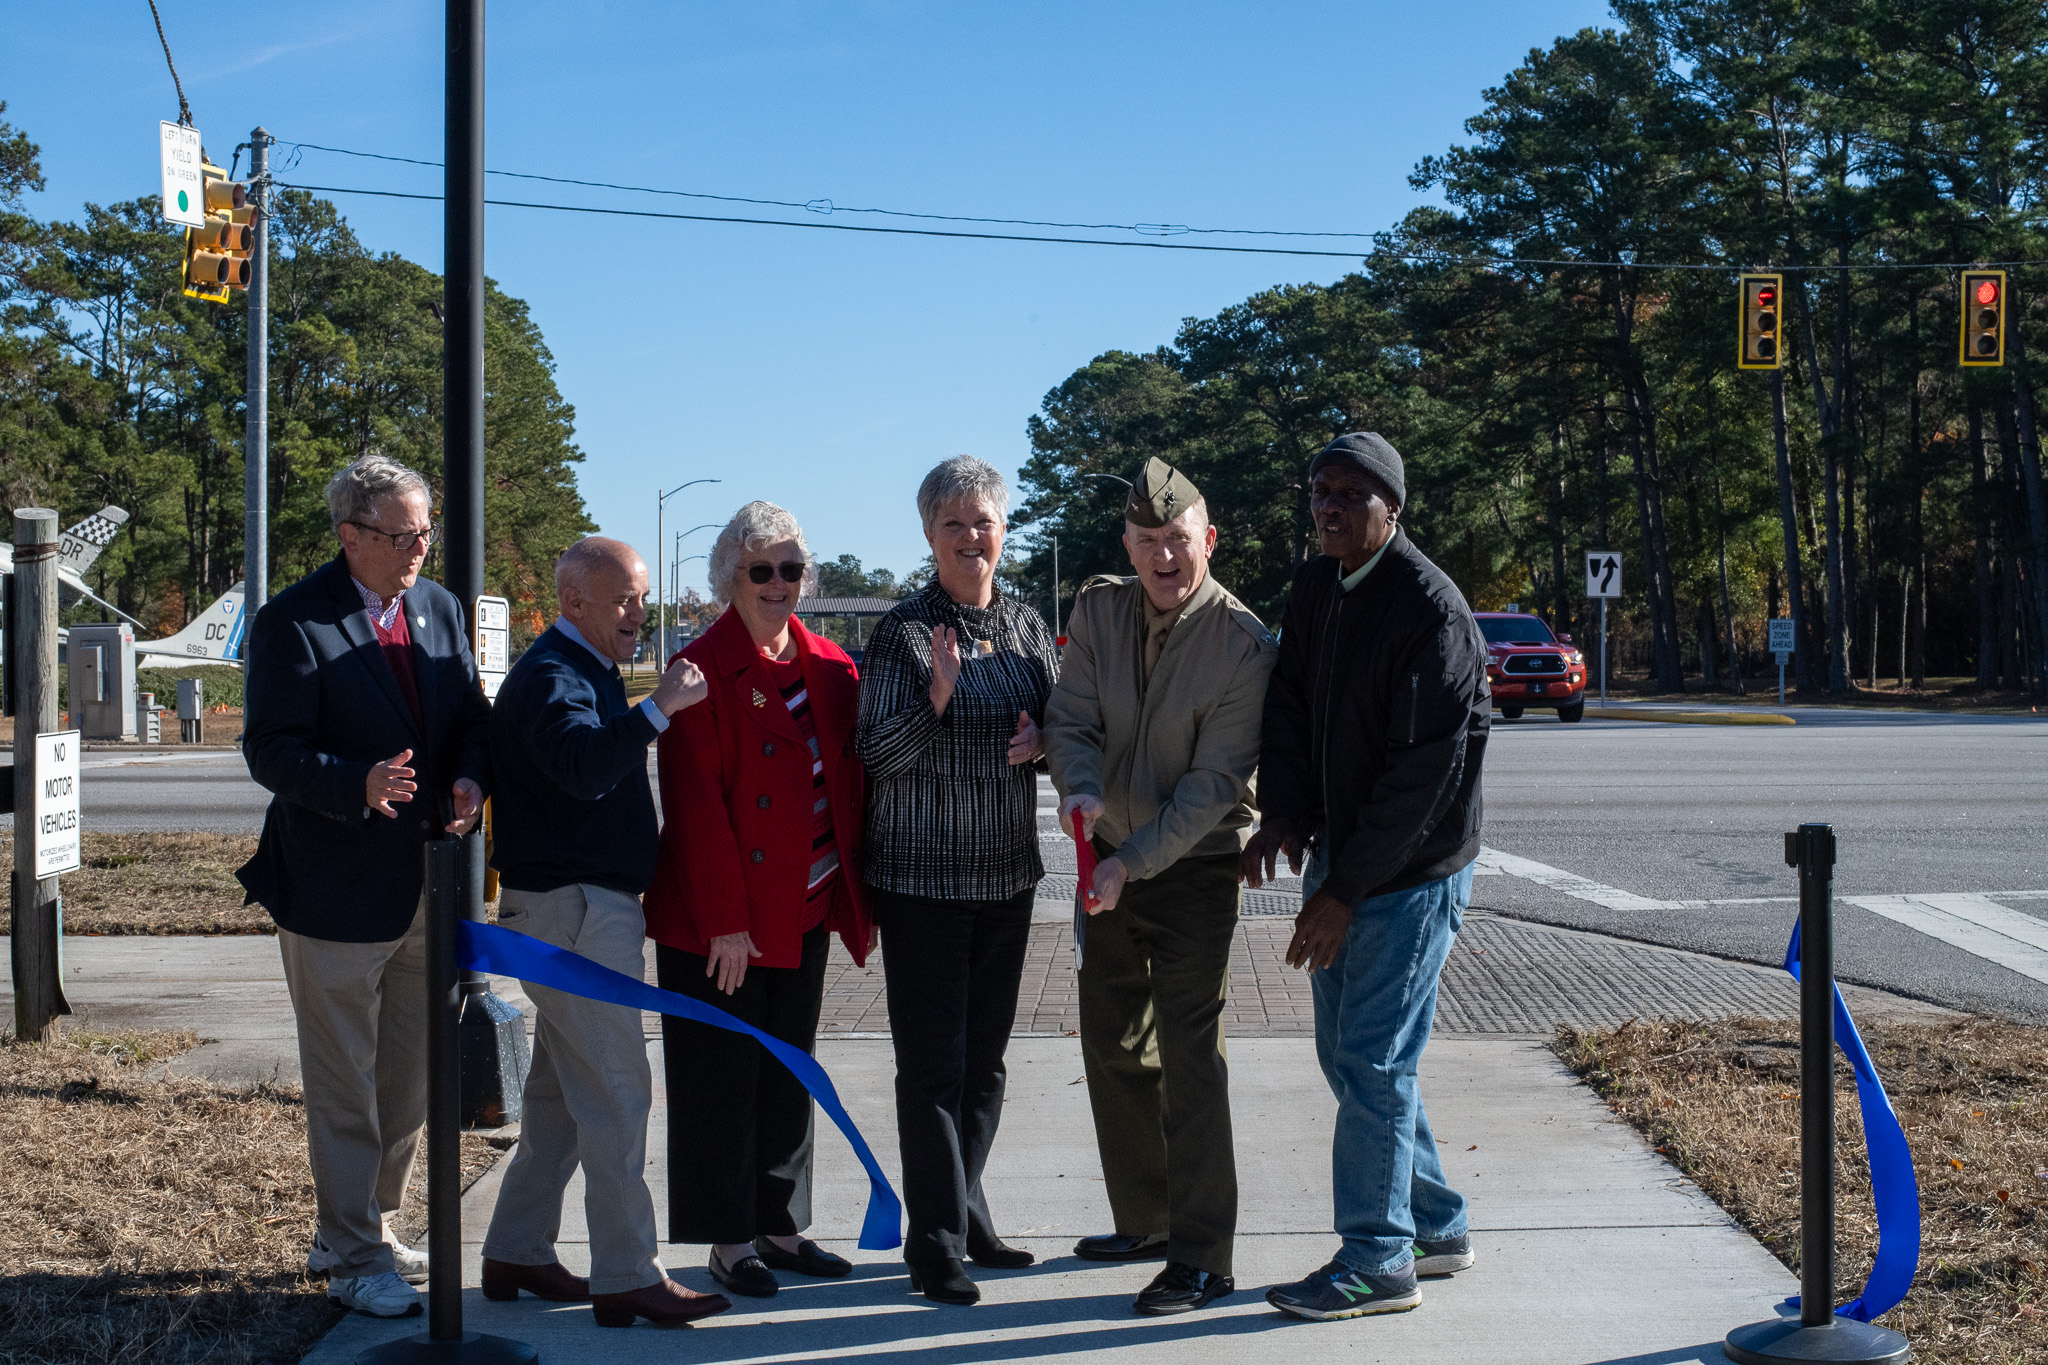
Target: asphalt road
<point x="1670" y="834"/>
<point x="1651" y="815"/>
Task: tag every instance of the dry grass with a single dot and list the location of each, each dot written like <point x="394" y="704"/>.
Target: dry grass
<point x="157" y="884"/>
<point x="146" y="1216"/>
<point x="1721" y="1101"/>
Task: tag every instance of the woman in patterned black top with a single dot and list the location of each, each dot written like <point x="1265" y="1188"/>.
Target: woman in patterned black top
<point x="953" y="688"/>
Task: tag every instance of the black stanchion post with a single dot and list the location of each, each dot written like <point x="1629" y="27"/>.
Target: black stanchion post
<point x="1818" y="1333"/>
<point x="444" y="1342"/>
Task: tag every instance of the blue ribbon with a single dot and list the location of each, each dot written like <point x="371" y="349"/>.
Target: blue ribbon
<point x="493" y="948"/>
<point x="1892" y="1183"/>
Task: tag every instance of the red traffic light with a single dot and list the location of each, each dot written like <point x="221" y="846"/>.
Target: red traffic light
<point x="1767" y="296"/>
<point x="1987" y="291"/>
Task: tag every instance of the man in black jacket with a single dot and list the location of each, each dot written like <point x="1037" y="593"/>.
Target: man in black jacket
<point x="365" y="718"/>
<point x="1375" y="726"/>
<point x="575" y="846"/>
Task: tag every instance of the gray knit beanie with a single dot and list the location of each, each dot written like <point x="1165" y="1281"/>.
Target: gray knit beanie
<point x="1368" y="453"/>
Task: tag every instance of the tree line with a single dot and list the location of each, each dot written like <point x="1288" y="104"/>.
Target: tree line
<point x="115" y="388"/>
<point x="1552" y="348"/>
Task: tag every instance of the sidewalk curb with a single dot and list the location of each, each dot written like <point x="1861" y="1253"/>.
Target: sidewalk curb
<point x="1690" y="717"/>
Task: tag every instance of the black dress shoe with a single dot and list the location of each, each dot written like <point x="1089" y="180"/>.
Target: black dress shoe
<point x="746" y="1276"/>
<point x="993" y="1252"/>
<point x="943" y="1281"/>
<point x="1122" y="1246"/>
<point x="1182" y="1288"/>
<point x="808" y="1259"/>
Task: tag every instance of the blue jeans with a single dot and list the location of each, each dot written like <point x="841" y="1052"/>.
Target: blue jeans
<point x="1374" y="1007"/>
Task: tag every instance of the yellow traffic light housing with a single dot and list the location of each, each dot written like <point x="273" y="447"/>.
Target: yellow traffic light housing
<point x="1763" y="328"/>
<point x="1983" y="343"/>
<point x="217" y="255"/>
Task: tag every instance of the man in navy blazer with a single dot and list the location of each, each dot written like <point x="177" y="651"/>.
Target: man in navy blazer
<point x="365" y="718"/>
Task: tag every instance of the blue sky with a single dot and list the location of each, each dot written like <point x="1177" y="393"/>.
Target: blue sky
<point x="823" y="370"/>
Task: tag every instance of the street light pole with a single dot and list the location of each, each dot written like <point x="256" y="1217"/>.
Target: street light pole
<point x="661" y="534"/>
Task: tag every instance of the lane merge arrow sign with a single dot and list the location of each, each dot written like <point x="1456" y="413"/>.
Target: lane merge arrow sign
<point x="1603" y="573"/>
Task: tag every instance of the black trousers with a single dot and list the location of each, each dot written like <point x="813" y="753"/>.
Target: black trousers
<point x="952" y="970"/>
<point x="739" y="1124"/>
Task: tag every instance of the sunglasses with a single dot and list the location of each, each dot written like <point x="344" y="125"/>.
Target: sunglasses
<point x="761" y="573"/>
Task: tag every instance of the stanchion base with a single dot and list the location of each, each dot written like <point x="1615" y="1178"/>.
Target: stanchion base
<point x="471" y="1348"/>
<point x="1844" y="1341"/>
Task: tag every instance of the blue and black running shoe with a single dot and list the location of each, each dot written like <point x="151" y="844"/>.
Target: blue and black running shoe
<point x="1338" y="1291"/>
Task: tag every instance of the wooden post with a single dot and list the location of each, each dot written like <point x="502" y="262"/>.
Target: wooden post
<point x="32" y="637"/>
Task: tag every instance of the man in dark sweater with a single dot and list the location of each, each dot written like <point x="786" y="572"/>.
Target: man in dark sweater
<point x="1375" y="725"/>
<point x="574" y="838"/>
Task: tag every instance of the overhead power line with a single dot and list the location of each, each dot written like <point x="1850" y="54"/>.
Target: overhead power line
<point x="1416" y="258"/>
<point x="184" y="109"/>
<point x="827" y="206"/>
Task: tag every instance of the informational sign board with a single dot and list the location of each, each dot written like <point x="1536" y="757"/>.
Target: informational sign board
<point x="56" y="810"/>
<point x="493" y="642"/>
<point x="1780" y="637"/>
<point x="184" y="201"/>
<point x="1603" y="573"/>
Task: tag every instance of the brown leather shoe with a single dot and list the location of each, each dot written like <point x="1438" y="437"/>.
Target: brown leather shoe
<point x="504" y="1279"/>
<point x="663" y="1303"/>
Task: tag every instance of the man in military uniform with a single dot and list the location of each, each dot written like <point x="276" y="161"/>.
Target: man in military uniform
<point x="1152" y="735"/>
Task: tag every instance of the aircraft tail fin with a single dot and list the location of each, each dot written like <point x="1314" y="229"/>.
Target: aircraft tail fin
<point x="215" y="635"/>
<point x="80" y="545"/>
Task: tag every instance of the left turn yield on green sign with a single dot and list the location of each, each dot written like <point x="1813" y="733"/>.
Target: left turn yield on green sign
<point x="57" y="845"/>
<point x="184" y="195"/>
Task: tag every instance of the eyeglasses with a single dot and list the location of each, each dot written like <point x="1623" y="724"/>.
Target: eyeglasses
<point x="761" y="573"/>
<point x="403" y="540"/>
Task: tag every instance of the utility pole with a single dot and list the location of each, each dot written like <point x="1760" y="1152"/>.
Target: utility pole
<point x="32" y="635"/>
<point x="256" y="401"/>
<point x="661" y="534"/>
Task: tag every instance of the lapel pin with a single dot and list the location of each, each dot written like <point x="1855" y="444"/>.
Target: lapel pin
<point x="420" y="621"/>
<point x="759" y="700"/>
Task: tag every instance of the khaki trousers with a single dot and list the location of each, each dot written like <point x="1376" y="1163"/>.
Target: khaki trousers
<point x="362" y="1022"/>
<point x="587" y="1098"/>
<point x="1154" y="977"/>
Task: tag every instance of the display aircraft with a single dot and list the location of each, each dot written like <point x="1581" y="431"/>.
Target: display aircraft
<point x="77" y="548"/>
<point x="213" y="637"/>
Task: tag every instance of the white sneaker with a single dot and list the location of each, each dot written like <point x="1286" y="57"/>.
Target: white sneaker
<point x="410" y="1265"/>
<point x="382" y="1295"/>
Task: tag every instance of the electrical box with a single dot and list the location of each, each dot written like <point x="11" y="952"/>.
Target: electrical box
<point x="102" y="659"/>
<point x="191" y="699"/>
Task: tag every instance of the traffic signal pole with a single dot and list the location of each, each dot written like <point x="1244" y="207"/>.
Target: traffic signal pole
<point x="256" y="400"/>
<point x="454" y="867"/>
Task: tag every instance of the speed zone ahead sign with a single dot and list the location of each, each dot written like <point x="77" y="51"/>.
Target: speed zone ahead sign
<point x="1603" y="573"/>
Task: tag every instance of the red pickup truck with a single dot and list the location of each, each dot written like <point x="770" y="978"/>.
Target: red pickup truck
<point x="1528" y="666"/>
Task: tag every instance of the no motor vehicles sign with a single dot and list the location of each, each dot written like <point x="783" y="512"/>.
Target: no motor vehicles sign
<point x="56" y="808"/>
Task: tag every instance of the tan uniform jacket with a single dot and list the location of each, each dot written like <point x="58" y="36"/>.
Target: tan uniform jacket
<point x="1172" y="762"/>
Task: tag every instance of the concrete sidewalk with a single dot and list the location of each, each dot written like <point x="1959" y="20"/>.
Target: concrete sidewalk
<point x="1591" y="1248"/>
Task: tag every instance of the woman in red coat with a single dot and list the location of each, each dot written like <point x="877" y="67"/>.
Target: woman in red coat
<point x="760" y="862"/>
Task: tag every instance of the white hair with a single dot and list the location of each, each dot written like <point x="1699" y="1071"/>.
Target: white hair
<point x="353" y="494"/>
<point x="962" y="476"/>
<point x="753" y="526"/>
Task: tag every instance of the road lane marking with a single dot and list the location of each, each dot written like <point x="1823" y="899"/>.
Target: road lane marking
<point x="1975" y="923"/>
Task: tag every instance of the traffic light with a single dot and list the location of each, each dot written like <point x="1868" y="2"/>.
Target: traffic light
<point x="1983" y="318"/>
<point x="1762" y="322"/>
<point x="217" y="255"/>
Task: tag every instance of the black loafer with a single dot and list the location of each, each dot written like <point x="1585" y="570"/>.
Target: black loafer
<point x="1122" y="1246"/>
<point x="808" y="1259"/>
<point x="1182" y="1288"/>
<point x="996" y="1254"/>
<point x="943" y="1281"/>
<point x="748" y="1276"/>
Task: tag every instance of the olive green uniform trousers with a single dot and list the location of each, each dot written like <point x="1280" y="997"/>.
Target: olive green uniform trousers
<point x="1154" y="974"/>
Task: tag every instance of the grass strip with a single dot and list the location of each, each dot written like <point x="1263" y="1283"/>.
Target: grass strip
<point x="1721" y="1102"/>
<point x="180" y="883"/>
<point x="149" y="1216"/>
<point x="1689" y="717"/>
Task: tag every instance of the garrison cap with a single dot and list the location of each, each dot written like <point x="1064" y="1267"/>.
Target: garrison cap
<point x="1160" y="494"/>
